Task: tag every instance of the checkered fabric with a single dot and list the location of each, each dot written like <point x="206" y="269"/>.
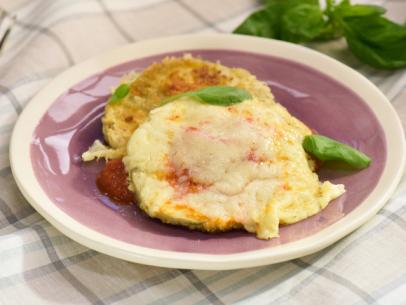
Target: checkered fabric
<point x="38" y="265"/>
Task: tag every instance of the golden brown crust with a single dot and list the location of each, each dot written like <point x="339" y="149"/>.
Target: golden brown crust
<point x="176" y="75"/>
<point x="183" y="214"/>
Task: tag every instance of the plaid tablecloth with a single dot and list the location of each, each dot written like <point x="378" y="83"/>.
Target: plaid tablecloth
<point x="38" y="265"/>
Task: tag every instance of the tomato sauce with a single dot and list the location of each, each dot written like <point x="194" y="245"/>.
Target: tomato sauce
<point x="112" y="181"/>
<point x="182" y="182"/>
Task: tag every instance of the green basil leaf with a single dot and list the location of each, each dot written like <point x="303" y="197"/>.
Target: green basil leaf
<point x="302" y="23"/>
<point x="326" y="149"/>
<point x="335" y="13"/>
<point x="118" y="94"/>
<point x="377" y="41"/>
<point x="345" y="9"/>
<point x="221" y="95"/>
<point x="267" y="22"/>
<point x="215" y="95"/>
<point x="372" y="38"/>
<point x="263" y="23"/>
<point x="290" y="3"/>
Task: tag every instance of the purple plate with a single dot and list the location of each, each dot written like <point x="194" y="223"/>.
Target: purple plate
<point x="72" y="123"/>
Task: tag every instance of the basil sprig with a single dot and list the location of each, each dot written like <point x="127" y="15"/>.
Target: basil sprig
<point x="378" y="41"/>
<point x="372" y="38"/>
<point x="326" y="149"/>
<point x="215" y="95"/>
<point x="118" y="94"/>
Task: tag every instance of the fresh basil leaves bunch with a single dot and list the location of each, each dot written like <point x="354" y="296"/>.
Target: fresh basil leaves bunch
<point x="372" y="38"/>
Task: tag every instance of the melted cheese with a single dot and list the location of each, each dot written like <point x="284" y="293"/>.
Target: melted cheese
<point x="216" y="168"/>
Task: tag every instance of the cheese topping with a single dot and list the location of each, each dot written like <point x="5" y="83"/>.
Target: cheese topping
<point x="206" y="166"/>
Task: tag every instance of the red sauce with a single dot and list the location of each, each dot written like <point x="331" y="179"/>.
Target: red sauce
<point x="112" y="181"/>
<point x="183" y="183"/>
<point x="254" y="157"/>
<point x="192" y="128"/>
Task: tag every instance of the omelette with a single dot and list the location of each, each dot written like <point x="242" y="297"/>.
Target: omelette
<point x="209" y="167"/>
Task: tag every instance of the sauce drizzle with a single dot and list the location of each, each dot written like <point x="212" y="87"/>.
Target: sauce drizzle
<point x="112" y="181"/>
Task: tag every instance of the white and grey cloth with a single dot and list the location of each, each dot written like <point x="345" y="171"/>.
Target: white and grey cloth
<point x="38" y="265"/>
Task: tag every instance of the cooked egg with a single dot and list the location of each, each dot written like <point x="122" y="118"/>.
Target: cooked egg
<point x="216" y="168"/>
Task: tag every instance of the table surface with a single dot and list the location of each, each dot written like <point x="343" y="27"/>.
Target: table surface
<point x="38" y="265"/>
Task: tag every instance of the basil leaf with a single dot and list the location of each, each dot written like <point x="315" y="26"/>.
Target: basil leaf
<point x="289" y="3"/>
<point x="118" y="94"/>
<point x="221" y="95"/>
<point x="345" y="9"/>
<point x="302" y="23"/>
<point x="377" y="41"/>
<point x="215" y="95"/>
<point x="263" y="23"/>
<point x="335" y="14"/>
<point x="286" y="4"/>
<point x="267" y="22"/>
<point x="326" y="149"/>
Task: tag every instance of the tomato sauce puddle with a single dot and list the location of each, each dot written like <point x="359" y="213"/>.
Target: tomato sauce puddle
<point x="112" y="181"/>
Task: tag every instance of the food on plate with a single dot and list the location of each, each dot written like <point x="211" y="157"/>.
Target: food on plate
<point x="164" y="79"/>
<point x="217" y="168"/>
<point x="207" y="147"/>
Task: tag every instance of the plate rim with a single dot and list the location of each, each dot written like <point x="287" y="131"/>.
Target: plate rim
<point x="20" y="159"/>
